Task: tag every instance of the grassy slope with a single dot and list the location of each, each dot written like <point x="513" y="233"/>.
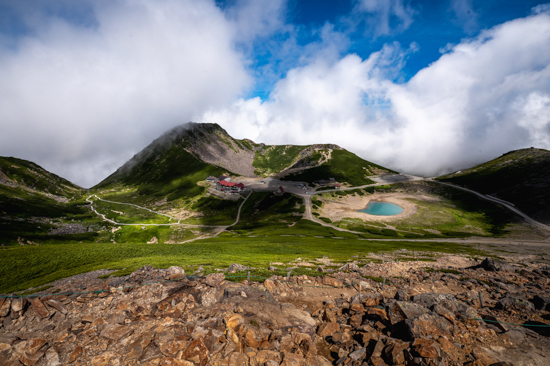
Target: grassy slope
<point x="275" y="158"/>
<point x="344" y="166"/>
<point x="168" y="171"/>
<point x="26" y="210"/>
<point x="521" y="177"/>
<point x="23" y="267"/>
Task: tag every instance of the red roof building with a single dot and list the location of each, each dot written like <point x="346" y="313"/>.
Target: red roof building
<point x="225" y="186"/>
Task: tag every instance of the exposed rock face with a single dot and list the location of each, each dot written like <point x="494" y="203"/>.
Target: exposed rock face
<point x="210" y="321"/>
<point x="212" y="144"/>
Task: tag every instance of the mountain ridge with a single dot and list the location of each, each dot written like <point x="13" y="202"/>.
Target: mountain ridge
<point x="518" y="176"/>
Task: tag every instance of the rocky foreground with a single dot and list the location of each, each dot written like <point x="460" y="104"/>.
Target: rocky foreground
<point x="345" y="318"/>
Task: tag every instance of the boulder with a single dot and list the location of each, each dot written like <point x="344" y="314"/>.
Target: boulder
<point x="428" y="325"/>
<point x="39" y="307"/>
<point x="541" y="302"/>
<point x="490" y="264"/>
<point x="5" y="305"/>
<point x="349" y="267"/>
<point x="515" y="302"/>
<point x="369" y="300"/>
<point x="235" y="267"/>
<point x="328" y="328"/>
<point x="411" y="310"/>
<point x="176" y="270"/>
<point x="214" y="279"/>
<point x="260" y="307"/>
<point x="429" y="299"/>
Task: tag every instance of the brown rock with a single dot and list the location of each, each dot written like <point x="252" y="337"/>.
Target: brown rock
<point x="394" y="353"/>
<point x="251" y="338"/>
<point x="151" y="352"/>
<point x="293" y="359"/>
<point x="482" y="355"/>
<point x="237" y="359"/>
<point x="378" y="348"/>
<point x="31" y="346"/>
<point x="197" y="353"/>
<point x="317" y="361"/>
<point x="39" y="307"/>
<point x="377" y="314"/>
<point x="30" y="359"/>
<point x="327" y="329"/>
<point x="215" y="279"/>
<point x="330" y="281"/>
<point x="104" y="359"/>
<point x="265" y="355"/>
<point x="176" y="270"/>
<point x="56" y="305"/>
<point x="233" y="320"/>
<point x="428" y="324"/>
<point x="52" y="357"/>
<point x="444" y="312"/>
<point x="115" y="331"/>
<point x="17" y="304"/>
<point x="87" y="318"/>
<point x="427" y="348"/>
<point x="270" y="286"/>
<point x="377" y="361"/>
<point x="357" y="307"/>
<point x="135" y="349"/>
<point x="76" y="354"/>
<point x="411" y="310"/>
<point x="171" y="361"/>
<point x="356" y="320"/>
<point x="446" y="345"/>
<point x="426" y="351"/>
<point x="5" y="307"/>
<point x="367" y="299"/>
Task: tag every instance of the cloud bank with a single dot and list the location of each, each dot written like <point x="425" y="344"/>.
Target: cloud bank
<point x="487" y="95"/>
<point x="82" y="100"/>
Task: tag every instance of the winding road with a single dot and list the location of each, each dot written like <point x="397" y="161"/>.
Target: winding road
<point x="158" y="213"/>
<point x="508" y="205"/>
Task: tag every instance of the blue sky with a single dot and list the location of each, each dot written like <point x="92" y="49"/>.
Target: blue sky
<point x="424" y="87"/>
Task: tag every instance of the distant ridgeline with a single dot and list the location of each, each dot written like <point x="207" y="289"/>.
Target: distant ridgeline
<point x="521" y="177"/>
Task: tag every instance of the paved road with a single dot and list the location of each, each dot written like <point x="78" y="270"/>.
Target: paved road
<point x="510" y="206"/>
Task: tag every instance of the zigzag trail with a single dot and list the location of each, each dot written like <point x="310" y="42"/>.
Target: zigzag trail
<point x="158" y="213"/>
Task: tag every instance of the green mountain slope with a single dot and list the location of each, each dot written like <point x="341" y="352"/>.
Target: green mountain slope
<point x="34" y="201"/>
<point x="521" y="177"/>
<point x="343" y="166"/>
<point x="167" y="168"/>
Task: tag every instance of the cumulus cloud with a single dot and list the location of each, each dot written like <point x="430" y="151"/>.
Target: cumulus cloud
<point x="88" y="95"/>
<point x="257" y="18"/>
<point x="485" y="96"/>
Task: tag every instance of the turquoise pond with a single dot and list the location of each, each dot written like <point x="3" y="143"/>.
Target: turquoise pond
<point x="382" y="209"/>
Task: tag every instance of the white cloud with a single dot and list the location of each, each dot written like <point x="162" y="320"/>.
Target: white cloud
<point x="486" y="96"/>
<point x="82" y="99"/>
<point x="383" y="17"/>
<point x="257" y="18"/>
